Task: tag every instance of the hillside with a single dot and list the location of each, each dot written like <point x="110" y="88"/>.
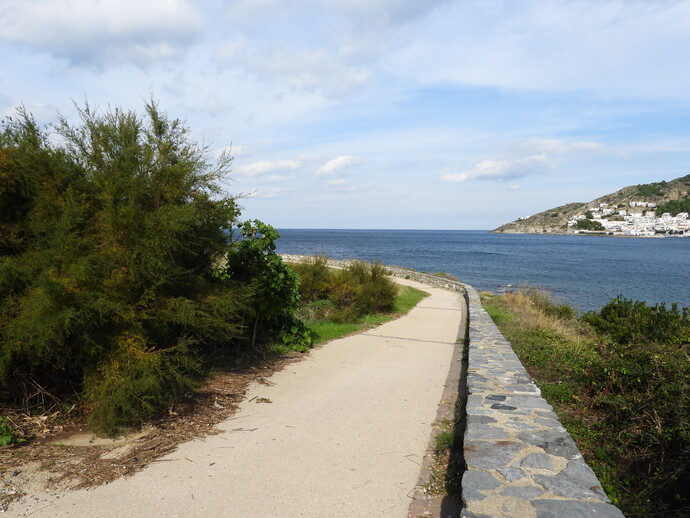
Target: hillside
<point x="627" y="212"/>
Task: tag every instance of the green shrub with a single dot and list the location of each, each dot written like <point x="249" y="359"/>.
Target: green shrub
<point x="358" y="290"/>
<point x="135" y="381"/>
<point x="626" y="321"/>
<point x="337" y="302"/>
<point x="274" y="287"/>
<point x="543" y="300"/>
<point x="7" y="435"/>
<point x="642" y="387"/>
<point x="674" y="206"/>
<point x="315" y="278"/>
<point x="651" y="189"/>
<point x="110" y="241"/>
<point x="624" y="394"/>
<point x="373" y="290"/>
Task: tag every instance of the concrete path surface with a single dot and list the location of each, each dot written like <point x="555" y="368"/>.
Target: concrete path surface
<point x="341" y="433"/>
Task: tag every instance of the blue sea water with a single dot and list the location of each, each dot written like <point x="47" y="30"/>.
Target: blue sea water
<point x="583" y="271"/>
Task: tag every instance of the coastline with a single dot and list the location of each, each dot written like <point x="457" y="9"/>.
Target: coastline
<point x="599" y="234"/>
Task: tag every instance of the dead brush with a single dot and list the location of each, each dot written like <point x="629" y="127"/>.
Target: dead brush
<point x="535" y="311"/>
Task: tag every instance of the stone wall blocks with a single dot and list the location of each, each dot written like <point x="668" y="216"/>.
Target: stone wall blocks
<point x="574" y="509"/>
<point x="474" y="481"/>
<point x="538" y="461"/>
<point x="512" y="474"/>
<point x="540" y="470"/>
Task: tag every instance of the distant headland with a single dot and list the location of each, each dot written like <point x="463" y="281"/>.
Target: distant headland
<point x="648" y="210"/>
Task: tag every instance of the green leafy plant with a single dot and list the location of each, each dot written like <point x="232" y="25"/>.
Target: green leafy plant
<point x="651" y="189"/>
<point x="274" y="287"/>
<point x="113" y="238"/>
<point x="6" y="433"/>
<point x="674" y="206"/>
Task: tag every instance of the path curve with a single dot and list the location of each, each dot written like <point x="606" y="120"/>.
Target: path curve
<point x="341" y="433"/>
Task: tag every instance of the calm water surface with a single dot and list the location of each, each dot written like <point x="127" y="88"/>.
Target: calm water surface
<point x="584" y="271"/>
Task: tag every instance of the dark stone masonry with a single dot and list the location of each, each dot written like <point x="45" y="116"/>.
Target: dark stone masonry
<point x="521" y="462"/>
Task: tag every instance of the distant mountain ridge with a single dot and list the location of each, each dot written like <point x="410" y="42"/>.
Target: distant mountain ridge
<point x="629" y="206"/>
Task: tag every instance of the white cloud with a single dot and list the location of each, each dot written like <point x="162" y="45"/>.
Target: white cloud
<point x="276" y="192"/>
<point x="503" y="169"/>
<point x="337" y="164"/>
<point x="327" y="46"/>
<point x="534" y="156"/>
<point x="253" y="14"/>
<point x="238" y="151"/>
<point x="615" y="47"/>
<point x="336" y="47"/>
<point x="265" y="166"/>
<point x="337" y="182"/>
<point x="556" y="147"/>
<point x="101" y="32"/>
<point x="295" y="68"/>
<point x="276" y="178"/>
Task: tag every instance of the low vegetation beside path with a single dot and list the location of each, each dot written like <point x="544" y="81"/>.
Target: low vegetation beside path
<point x="619" y="379"/>
<point x="338" y="302"/>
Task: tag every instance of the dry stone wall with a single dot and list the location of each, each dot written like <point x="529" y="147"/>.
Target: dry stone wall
<point x="520" y="460"/>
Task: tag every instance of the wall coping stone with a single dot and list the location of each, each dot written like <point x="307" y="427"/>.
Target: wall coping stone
<point x="520" y="460"/>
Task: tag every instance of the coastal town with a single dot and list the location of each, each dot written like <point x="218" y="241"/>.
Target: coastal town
<point x="638" y="218"/>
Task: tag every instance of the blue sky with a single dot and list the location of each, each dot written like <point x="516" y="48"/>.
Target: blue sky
<point x="442" y="114"/>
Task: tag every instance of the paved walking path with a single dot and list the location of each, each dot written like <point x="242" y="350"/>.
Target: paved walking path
<point x="341" y="433"/>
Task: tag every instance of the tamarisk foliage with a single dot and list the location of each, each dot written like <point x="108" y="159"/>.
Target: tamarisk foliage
<point x="111" y="236"/>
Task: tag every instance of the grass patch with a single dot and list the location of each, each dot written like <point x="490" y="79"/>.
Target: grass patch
<point x="336" y="302"/>
<point x="448" y="466"/>
<point x="407" y="298"/>
<point x="325" y="330"/>
<point x="445" y="440"/>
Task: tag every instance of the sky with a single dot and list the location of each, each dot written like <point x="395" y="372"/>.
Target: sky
<point x="388" y="114"/>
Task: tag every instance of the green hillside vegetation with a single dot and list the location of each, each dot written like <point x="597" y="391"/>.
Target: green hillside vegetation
<point x="670" y="196"/>
<point x="122" y="267"/>
<point x="674" y="207"/>
<point x="620" y="381"/>
<point x="589" y="224"/>
<point x="552" y="220"/>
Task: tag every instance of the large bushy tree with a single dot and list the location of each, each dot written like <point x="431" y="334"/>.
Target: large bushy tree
<point x="113" y="232"/>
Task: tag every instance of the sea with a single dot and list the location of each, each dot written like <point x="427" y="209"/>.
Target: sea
<point x="583" y="271"/>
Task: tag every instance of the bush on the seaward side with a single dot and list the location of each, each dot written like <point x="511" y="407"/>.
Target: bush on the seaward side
<point x="642" y="387"/>
<point x="345" y="295"/>
<point x="111" y="237"/>
<point x="620" y="380"/>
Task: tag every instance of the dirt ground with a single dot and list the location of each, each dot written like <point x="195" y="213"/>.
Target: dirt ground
<point x="62" y="453"/>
